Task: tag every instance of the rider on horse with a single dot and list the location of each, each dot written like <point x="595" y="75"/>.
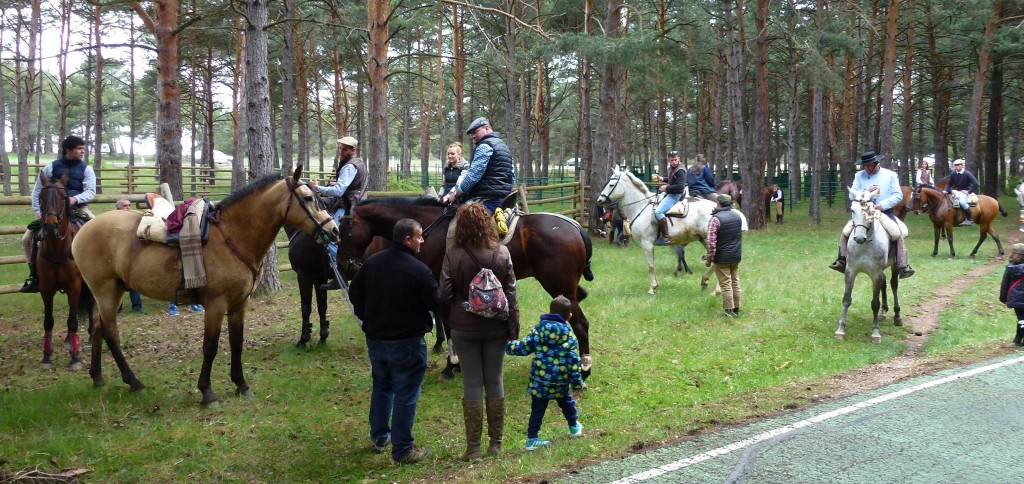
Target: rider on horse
<point x="673" y="192"/>
<point x="962" y="183"/>
<point x="80" y="187"/>
<point x="348" y="190"/>
<point x="872" y="177"/>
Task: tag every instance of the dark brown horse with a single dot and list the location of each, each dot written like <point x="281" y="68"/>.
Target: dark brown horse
<point x="550" y="248"/>
<point x="57" y="270"/>
<point x="112" y="259"/>
<point x="732" y="188"/>
<point x="945" y="216"/>
<point x="312" y="267"/>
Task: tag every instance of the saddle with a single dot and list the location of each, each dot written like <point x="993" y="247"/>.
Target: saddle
<point x="153" y="226"/>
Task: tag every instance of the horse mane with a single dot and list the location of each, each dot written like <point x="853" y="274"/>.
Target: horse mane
<point x="254" y="186"/>
<point x="636" y="181"/>
<point x="417" y="201"/>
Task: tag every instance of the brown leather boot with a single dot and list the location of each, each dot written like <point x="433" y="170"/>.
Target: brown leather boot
<point x="662" y="232"/>
<point x="473" y="414"/>
<point x="495" y="424"/>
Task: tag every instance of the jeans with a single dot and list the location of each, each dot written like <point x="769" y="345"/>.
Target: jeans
<point x="667" y="203"/>
<point x="136" y="299"/>
<point x="492" y="204"/>
<point x="540" y="405"/>
<point x="962" y="197"/>
<point x="332" y="247"/>
<point x="398" y="368"/>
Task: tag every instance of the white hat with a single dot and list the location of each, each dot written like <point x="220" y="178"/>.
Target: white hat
<point x="349" y="141"/>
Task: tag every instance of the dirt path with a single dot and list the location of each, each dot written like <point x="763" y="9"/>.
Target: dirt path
<point x="911" y="363"/>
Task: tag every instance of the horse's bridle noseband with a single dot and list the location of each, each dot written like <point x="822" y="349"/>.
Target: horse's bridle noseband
<point x="61" y="213"/>
<point x="319" y="231"/>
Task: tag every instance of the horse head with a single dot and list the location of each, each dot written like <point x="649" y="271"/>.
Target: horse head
<point x="917" y="203"/>
<point x="864" y="214"/>
<point x="611" y="189"/>
<point x="316" y="220"/>
<point x="54" y="208"/>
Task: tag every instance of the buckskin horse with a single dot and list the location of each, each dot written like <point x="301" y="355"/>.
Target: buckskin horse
<point x="550" y="248"/>
<point x="112" y="259"/>
<point x="945" y="216"/>
<point x="57" y="270"/>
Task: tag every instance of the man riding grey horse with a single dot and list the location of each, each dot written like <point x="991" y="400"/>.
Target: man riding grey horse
<point x="874" y="177"/>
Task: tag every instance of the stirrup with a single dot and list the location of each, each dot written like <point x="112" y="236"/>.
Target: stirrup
<point x="331" y="285"/>
<point x="906" y="272"/>
<point x="839" y="266"/>
<point x="31" y="285"/>
<point x="661" y="240"/>
<point x="966" y="222"/>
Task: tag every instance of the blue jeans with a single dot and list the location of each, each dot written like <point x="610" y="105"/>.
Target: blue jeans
<point x="667" y="203"/>
<point x="962" y="197"/>
<point x="136" y="299"/>
<point x="540" y="405"/>
<point x="332" y="248"/>
<point x="492" y="204"/>
<point x="398" y="368"/>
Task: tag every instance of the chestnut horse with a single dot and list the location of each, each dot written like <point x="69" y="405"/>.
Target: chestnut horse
<point x="732" y="188"/>
<point x="945" y="216"/>
<point x="112" y="259"/>
<point x="550" y="248"/>
<point x="57" y="270"/>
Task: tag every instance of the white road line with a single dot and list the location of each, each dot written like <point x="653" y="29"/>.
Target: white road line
<point x="771" y="434"/>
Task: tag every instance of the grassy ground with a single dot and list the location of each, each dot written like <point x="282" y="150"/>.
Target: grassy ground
<point x="664" y="366"/>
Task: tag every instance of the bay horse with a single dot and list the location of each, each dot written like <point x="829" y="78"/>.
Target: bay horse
<point x="550" y="248"/>
<point x="56" y="270"/>
<point x="868" y="252"/>
<point x="638" y="203"/>
<point x="732" y="188"/>
<point x="944" y="215"/>
<point x="112" y="259"/>
<point x="311" y="264"/>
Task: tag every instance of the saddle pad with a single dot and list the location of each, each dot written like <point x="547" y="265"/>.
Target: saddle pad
<point x="972" y="199"/>
<point x="895" y="228"/>
<point x="152" y="227"/>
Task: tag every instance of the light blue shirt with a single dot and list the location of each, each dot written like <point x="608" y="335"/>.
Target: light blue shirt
<point x="345" y="177"/>
<point x="477" y="167"/>
<point x="889" y="193"/>
<point x="88" y="187"/>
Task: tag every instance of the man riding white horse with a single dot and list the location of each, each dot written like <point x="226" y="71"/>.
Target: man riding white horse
<point x="874" y="177"/>
<point x="674" y="190"/>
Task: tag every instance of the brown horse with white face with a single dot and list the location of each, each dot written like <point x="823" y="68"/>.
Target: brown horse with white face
<point x="945" y="216"/>
<point x="113" y="259"/>
<point x="57" y="271"/>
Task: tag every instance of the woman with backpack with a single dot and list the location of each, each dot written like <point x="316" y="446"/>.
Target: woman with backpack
<point x="479" y="341"/>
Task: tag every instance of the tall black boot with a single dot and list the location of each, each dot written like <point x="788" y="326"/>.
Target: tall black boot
<point x="780" y="218"/>
<point x="662" y="232"/>
<point x="968" y="218"/>
<point x="1019" y="339"/>
<point x="32" y="284"/>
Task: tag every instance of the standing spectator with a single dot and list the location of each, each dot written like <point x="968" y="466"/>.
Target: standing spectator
<point x="676" y="184"/>
<point x="133" y="295"/>
<point x="80" y="187"/>
<point x="348" y="190"/>
<point x="393" y="294"/>
<point x="492" y="171"/>
<point x="924" y="176"/>
<point x="479" y="341"/>
<point x="777" y="199"/>
<point x="555" y="372"/>
<point x="725" y="245"/>
<point x="962" y="183"/>
<point x="1011" y="291"/>
<point x="700" y="180"/>
<point x="455" y="167"/>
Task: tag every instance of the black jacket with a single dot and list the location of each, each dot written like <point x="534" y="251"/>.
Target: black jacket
<point x="962" y="181"/>
<point x="676" y="181"/>
<point x="729" y="243"/>
<point x="393" y="294"/>
<point x="499" y="176"/>
<point x="1012" y="298"/>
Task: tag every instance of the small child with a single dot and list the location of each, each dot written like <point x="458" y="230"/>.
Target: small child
<point x="1011" y="292"/>
<point x="555" y="372"/>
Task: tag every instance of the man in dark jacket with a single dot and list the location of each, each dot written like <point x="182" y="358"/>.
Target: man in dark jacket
<point x="673" y="192"/>
<point x="962" y="183"/>
<point x="492" y="171"/>
<point x="393" y="294"/>
<point x="725" y="244"/>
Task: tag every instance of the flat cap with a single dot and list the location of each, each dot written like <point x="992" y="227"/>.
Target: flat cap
<point x="478" y="122"/>
<point x="349" y="141"/>
<point x="724" y="198"/>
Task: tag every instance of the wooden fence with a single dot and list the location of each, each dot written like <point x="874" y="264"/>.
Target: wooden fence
<point x="531" y="198"/>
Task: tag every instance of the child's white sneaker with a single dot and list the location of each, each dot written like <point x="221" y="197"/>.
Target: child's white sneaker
<point x="576" y="430"/>
<point x="534" y="444"/>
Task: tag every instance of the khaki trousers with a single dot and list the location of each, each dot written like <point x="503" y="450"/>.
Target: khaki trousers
<point x="729" y="280"/>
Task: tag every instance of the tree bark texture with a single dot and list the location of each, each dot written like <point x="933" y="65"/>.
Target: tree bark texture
<point x="972" y="140"/>
<point x="377" y="71"/>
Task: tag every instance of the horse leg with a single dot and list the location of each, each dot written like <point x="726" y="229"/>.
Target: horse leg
<point x="236" y="325"/>
<point x="681" y="264"/>
<point x="983" y="236"/>
<point x="704" y="279"/>
<point x="884" y="310"/>
<point x="648" y="247"/>
<point x="306" y="303"/>
<point x="96" y="336"/>
<point x="894" y="283"/>
<point x="451" y="359"/>
<point x="581" y="328"/>
<point x="879" y="286"/>
<point x="847" y="299"/>
<point x="949" y="238"/>
<point x="935" y="249"/>
<point x="442" y="333"/>
<point x="995" y="236"/>
<point x="211" y="340"/>
<point x="47" y="328"/>
<point x="321" y="310"/>
<point x="73" y="344"/>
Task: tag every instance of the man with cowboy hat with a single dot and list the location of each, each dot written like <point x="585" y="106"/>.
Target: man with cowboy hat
<point x="492" y="171"/>
<point x="874" y="177"/>
<point x="962" y="183"/>
<point x="347" y="191"/>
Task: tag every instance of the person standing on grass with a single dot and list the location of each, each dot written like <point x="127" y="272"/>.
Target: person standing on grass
<point x="393" y="295"/>
<point x="725" y="245"/>
<point x="777" y="200"/>
<point x="1011" y="291"/>
<point x="555" y="373"/>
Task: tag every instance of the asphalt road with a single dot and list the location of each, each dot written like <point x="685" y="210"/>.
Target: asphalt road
<point x="961" y="425"/>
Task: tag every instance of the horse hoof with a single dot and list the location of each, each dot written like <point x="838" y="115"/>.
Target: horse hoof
<point x="970" y="256"/>
<point x="882" y="316"/>
<point x="876" y="339"/>
<point x="98" y="383"/>
<point x="214" y="405"/>
<point x="209" y="399"/>
<point x="300" y="345"/>
<point x="247" y="393"/>
<point x="897" y="321"/>
<point x="840" y="336"/>
<point x="46" y="365"/>
<point x="76" y="366"/>
<point x="445" y="376"/>
<point x="322" y="342"/>
<point x="140" y="390"/>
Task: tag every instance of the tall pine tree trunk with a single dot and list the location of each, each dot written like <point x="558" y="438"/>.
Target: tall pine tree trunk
<point x="972" y="141"/>
<point x="379" y="12"/>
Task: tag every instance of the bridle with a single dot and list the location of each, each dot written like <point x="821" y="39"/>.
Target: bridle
<point x="315" y="198"/>
<point x="870" y="216"/>
<point x="56" y="205"/>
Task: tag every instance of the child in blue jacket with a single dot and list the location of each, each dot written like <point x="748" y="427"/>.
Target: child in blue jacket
<point x="555" y="372"/>
<point x="1011" y="291"/>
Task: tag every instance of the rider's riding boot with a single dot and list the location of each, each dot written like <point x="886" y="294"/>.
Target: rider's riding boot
<point x="839" y="265"/>
<point x="333" y="284"/>
<point x="901" y="259"/>
<point x="31" y="284"/>
<point x="968" y="219"/>
<point x="662" y="232"/>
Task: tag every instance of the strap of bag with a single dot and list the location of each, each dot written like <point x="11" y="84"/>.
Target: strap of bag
<point x="494" y="258"/>
<point x="1014" y="285"/>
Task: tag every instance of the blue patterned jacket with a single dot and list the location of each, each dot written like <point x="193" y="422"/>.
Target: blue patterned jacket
<point x="556" y="362"/>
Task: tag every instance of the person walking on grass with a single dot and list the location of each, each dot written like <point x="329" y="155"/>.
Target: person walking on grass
<point x="725" y="246"/>
<point x="1011" y="291"/>
<point x="555" y="372"/>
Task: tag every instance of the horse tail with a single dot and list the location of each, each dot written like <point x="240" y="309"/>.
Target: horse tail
<point x="86" y="304"/>
<point x="587" y="273"/>
<point x="581" y="293"/>
<point x="1001" y="210"/>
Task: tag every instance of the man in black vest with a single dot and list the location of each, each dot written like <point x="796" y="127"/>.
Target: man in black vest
<point x="348" y="190"/>
<point x="80" y="186"/>
<point x="725" y="244"/>
<point x="492" y="172"/>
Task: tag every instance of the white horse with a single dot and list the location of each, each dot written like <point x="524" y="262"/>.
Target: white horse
<point x="638" y="203"/>
<point x="868" y="252"/>
<point x="1019" y="190"/>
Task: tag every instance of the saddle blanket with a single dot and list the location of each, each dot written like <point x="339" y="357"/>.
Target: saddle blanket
<point x="894" y="228"/>
<point x="153" y="225"/>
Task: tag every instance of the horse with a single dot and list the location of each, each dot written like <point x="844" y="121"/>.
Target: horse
<point x="868" y="251"/>
<point x="312" y="269"/>
<point x="944" y="215"/>
<point x="732" y="188"/>
<point x="57" y="270"/>
<point x="551" y="248"/>
<point x="112" y="259"/>
<point x="638" y="204"/>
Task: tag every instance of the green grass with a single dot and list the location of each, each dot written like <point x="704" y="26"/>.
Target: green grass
<point x="664" y="366"/>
